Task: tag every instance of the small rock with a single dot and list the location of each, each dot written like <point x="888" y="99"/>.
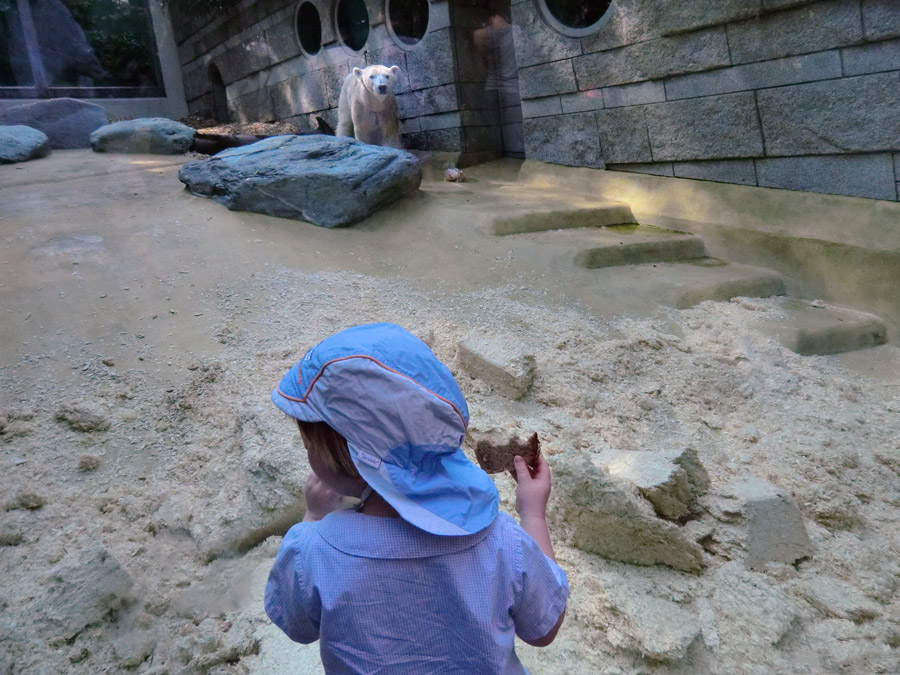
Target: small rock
<point x="67" y="122"/>
<point x="11" y="538"/>
<point x="671" y="480"/>
<point x="88" y="463"/>
<point x="29" y="500"/>
<point x="506" y="365"/>
<point x="133" y="648"/>
<point x="109" y="363"/>
<point x="153" y="135"/>
<point x="83" y="417"/>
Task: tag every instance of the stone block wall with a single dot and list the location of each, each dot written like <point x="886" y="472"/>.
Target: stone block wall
<point x="267" y="77"/>
<point x="796" y="94"/>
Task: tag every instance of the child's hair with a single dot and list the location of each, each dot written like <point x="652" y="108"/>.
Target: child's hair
<point x="330" y="446"/>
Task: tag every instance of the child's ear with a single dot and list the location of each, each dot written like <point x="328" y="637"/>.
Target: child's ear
<point x="395" y="70"/>
<point x="358" y="73"/>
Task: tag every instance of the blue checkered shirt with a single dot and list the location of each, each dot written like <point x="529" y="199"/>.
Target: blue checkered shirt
<point x="384" y="597"/>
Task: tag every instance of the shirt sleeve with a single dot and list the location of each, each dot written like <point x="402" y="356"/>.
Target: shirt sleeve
<point x="541" y="594"/>
<point x="291" y="600"/>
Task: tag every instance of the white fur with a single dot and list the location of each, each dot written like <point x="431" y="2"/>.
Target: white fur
<point x="367" y="108"/>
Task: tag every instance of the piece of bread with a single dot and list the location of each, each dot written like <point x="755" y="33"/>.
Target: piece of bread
<point x="496" y="457"/>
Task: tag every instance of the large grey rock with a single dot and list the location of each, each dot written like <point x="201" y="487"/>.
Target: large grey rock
<point x="688" y="53"/>
<point x="573" y="140"/>
<point x="603" y="516"/>
<point x="836" y="598"/>
<point x="67" y="122"/>
<point x="671" y="480"/>
<point x="775" y="528"/>
<point x="326" y="180"/>
<point x="819" y="26"/>
<point x="712" y="127"/>
<point x="856" y="114"/>
<point x="154" y="135"/>
<point x="19" y="143"/>
<point x="85" y="591"/>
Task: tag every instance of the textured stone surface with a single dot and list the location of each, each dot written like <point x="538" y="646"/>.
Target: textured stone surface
<point x="873" y="58"/>
<point x="702" y="50"/>
<point x="541" y="107"/>
<point x="602" y="516"/>
<point x="634" y="94"/>
<point x="881" y="19"/>
<point x="506" y="365"/>
<point x="857" y="114"/>
<point x="741" y="171"/>
<point x="792" y="70"/>
<point x="632" y="21"/>
<point x="325" y="180"/>
<point x="775" y="528"/>
<point x="677" y="16"/>
<point x="19" y="143"/>
<point x="547" y="79"/>
<point x="836" y="598"/>
<point x="820" y="26"/>
<point x="582" y="101"/>
<point x="67" y="122"/>
<point x="657" y="628"/>
<point x="85" y="591"/>
<point x="623" y="135"/>
<point x="749" y="613"/>
<point x="671" y="480"/>
<point x="855" y="175"/>
<point x="714" y="127"/>
<point x="572" y="140"/>
<point x="650" y="168"/>
<point x="439" y="68"/>
<point x="536" y="42"/>
<point x="153" y="135"/>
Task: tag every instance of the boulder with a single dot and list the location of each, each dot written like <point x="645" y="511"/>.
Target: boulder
<point x="325" y="180"/>
<point x="19" y="143"/>
<point x="506" y="365"/>
<point x="85" y="591"/>
<point x="67" y="122"/>
<point x="603" y="516"/>
<point x="837" y="599"/>
<point x="151" y="135"/>
<point x="671" y="480"/>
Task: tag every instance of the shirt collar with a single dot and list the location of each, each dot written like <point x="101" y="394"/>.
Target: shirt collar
<point x="392" y="538"/>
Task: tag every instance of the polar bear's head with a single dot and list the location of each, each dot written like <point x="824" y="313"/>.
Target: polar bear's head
<point x="378" y="79"/>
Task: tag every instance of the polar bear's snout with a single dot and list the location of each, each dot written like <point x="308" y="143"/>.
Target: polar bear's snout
<point x="380" y="84"/>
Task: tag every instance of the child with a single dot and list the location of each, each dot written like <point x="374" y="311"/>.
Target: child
<point x="424" y="576"/>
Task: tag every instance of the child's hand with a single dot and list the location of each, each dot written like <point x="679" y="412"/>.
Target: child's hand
<point x="532" y="488"/>
<point x="320" y="499"/>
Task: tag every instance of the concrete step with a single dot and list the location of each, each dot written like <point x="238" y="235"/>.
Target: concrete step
<point x="617" y="245"/>
<point x="818" y="328"/>
<point x="691" y="282"/>
<point x="539" y="218"/>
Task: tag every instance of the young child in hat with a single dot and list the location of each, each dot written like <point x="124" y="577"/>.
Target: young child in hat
<point x="424" y="576"/>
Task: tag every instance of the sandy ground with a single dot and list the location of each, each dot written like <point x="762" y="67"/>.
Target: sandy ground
<point x="143" y="329"/>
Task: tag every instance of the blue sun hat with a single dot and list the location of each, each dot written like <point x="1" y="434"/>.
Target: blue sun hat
<point x="404" y="419"/>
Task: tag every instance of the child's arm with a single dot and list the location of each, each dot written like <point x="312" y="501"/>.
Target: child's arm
<point x="532" y="494"/>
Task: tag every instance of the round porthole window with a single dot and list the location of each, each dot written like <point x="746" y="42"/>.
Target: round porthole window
<point x="352" y="19"/>
<point x="576" y="18"/>
<point x="308" y="24"/>
<point x="407" y="21"/>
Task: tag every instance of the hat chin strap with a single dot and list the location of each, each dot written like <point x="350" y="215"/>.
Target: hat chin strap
<point x="363" y="497"/>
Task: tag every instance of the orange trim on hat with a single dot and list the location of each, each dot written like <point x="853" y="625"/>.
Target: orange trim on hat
<point x="365" y="356"/>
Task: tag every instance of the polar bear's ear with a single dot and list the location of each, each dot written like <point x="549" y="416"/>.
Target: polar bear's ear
<point x="358" y="73"/>
<point x="395" y="70"/>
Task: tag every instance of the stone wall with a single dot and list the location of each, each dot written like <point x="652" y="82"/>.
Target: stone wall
<point x="796" y="94"/>
<point x="267" y="77"/>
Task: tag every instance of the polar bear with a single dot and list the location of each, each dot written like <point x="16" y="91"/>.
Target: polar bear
<point x="367" y="108"/>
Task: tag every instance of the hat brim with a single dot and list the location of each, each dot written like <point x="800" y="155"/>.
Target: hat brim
<point x="453" y="498"/>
